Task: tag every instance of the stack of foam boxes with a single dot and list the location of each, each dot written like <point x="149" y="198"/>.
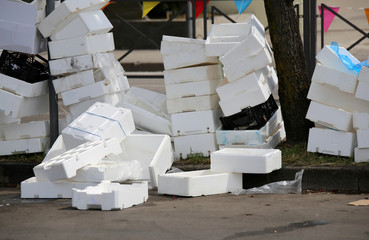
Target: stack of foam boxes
<point x="251" y="117"/>
<point x="80" y="49"/>
<point x="94" y="154"/>
<point x="335" y="95"/>
<point x="190" y="81"/>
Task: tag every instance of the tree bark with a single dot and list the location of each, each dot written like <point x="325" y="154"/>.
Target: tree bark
<point x="291" y="67"/>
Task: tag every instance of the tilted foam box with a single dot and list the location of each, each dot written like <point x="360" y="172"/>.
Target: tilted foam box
<point x="23" y="88"/>
<point x="362" y="91"/>
<point x="191" y="89"/>
<point x="201" y="103"/>
<point x="196" y="144"/>
<point x="193" y="74"/>
<point x="360" y="120"/>
<point x="35" y="129"/>
<point x="24" y="146"/>
<point x="73" y="81"/>
<point x="362" y="138"/>
<point x="361" y="154"/>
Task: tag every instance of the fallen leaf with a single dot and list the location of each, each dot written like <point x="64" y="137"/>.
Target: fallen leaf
<point x="363" y="202"/>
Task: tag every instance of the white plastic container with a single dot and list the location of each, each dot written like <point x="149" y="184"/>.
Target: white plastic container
<point x="22" y="88"/>
<point x="243" y="160"/>
<point x="110" y="196"/>
<point x="360" y="120"/>
<point x="202" y="103"/>
<point x="73" y="81"/>
<point x="364" y="75"/>
<point x="198" y="183"/>
<point x="196" y="122"/>
<point x="362" y="91"/>
<point x="6" y="119"/>
<point x="361" y="154"/>
<point x="83" y="24"/>
<point x="202" y="144"/>
<point x="191" y="89"/>
<point x="24" y="146"/>
<point x="331" y="142"/>
<point x="81" y="46"/>
<point x="192" y="74"/>
<point x="330" y="117"/>
<point x="362" y="138"/>
<point x="36" y="129"/>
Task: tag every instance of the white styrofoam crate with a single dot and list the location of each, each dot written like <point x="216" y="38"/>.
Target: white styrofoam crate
<point x="31" y="188"/>
<point x="24" y="146"/>
<point x="329" y="57"/>
<point x="364" y="74"/>
<point x="36" y="129"/>
<point x="330" y="117"/>
<point x="62" y="13"/>
<point x="196" y="122"/>
<point x="6" y="119"/>
<point x="362" y="91"/>
<point x="73" y="81"/>
<point x="111" y="76"/>
<point x="188" y="104"/>
<point x="100" y="121"/>
<point x="361" y="154"/>
<point x="362" y="138"/>
<point x="272" y="78"/>
<point x="67" y="164"/>
<point x="192" y="74"/>
<point x="81" y="46"/>
<point x="331" y="142"/>
<point x="248" y="64"/>
<point x="360" y="120"/>
<point x="202" y="144"/>
<point x="198" y="183"/>
<point x="344" y="81"/>
<point x="83" y="24"/>
<point x="110" y="196"/>
<point x="191" y="89"/>
<point x="56" y="149"/>
<point x="22" y="88"/>
<point x="333" y="97"/>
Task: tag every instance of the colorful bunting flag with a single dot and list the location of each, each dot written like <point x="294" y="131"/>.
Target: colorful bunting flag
<point x="242" y="5"/>
<point x="199" y="7"/>
<point x="328" y="16"/>
<point x="147" y="7"/>
<point x="367" y="14"/>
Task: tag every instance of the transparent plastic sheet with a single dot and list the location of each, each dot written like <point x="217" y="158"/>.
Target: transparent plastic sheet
<point x="281" y="187"/>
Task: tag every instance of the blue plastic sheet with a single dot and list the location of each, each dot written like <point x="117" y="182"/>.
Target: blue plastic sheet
<point x="347" y="61"/>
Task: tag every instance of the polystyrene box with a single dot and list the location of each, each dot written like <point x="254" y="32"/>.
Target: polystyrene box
<point x="362" y="91"/>
<point x="23" y="88"/>
<point x="329" y="116"/>
<point x="248" y="64"/>
<point x="81" y="46"/>
<point x="361" y="154"/>
<point x="181" y="52"/>
<point x="73" y="81"/>
<point x="362" y="138"/>
<point x="360" y="120"/>
<point x="196" y="122"/>
<point x="100" y="121"/>
<point x="109" y="75"/>
<point x="83" y="24"/>
<point x="344" y="81"/>
<point x="6" y="119"/>
<point x="333" y="97"/>
<point x="202" y="144"/>
<point x="198" y="183"/>
<point x="192" y="74"/>
<point x="34" y="129"/>
<point x="364" y="75"/>
<point x="110" y="196"/>
<point x="24" y="146"/>
<point x="191" y="89"/>
<point x="31" y="188"/>
<point x="61" y="15"/>
<point x="331" y="142"/>
<point x="201" y="103"/>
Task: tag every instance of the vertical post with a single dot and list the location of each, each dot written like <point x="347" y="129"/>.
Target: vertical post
<point x="193" y="18"/>
<point x="205" y="20"/>
<point x="188" y="19"/>
<point x="310" y="35"/>
<point x="53" y="97"/>
<point x="322" y="26"/>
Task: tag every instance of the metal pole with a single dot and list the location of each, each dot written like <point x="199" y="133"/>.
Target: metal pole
<point x="205" y="20"/>
<point x="193" y="18"/>
<point x="310" y="35"/>
<point x="322" y="27"/>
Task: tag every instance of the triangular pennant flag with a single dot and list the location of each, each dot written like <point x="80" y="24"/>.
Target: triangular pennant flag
<point x="107" y="4"/>
<point x="242" y="5"/>
<point x="328" y="16"/>
<point x="147" y="7"/>
<point x="199" y="6"/>
<point x="367" y="14"/>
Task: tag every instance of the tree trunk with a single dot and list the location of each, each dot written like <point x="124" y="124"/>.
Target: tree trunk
<point x="291" y="67"/>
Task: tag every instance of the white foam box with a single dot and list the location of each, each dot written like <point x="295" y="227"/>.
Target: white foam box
<point x="100" y="121"/>
<point x="196" y="122"/>
<point x="81" y="46"/>
<point x="62" y="14"/>
<point x="110" y="74"/>
<point x="329" y="57"/>
<point x="34" y="129"/>
<point x="272" y="78"/>
<point x="73" y="81"/>
<point x="248" y="64"/>
<point x="201" y="103"/>
<point x="23" y="88"/>
<point x="198" y="183"/>
<point x="110" y="196"/>
<point x="361" y="154"/>
<point x="331" y="142"/>
<point x="24" y="146"/>
<point x="362" y="91"/>
<point x="181" y="52"/>
<point x="330" y="117"/>
<point x="192" y="74"/>
<point x="83" y="24"/>
<point x="333" y="97"/>
<point x="67" y="164"/>
<point x="360" y="120"/>
<point x="16" y="106"/>
<point x="362" y="138"/>
<point x="344" y="81"/>
<point x="203" y="144"/>
<point x="249" y="137"/>
<point x="31" y="188"/>
<point x="6" y="119"/>
<point x="243" y="160"/>
<point x="191" y="89"/>
<point x="364" y="75"/>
